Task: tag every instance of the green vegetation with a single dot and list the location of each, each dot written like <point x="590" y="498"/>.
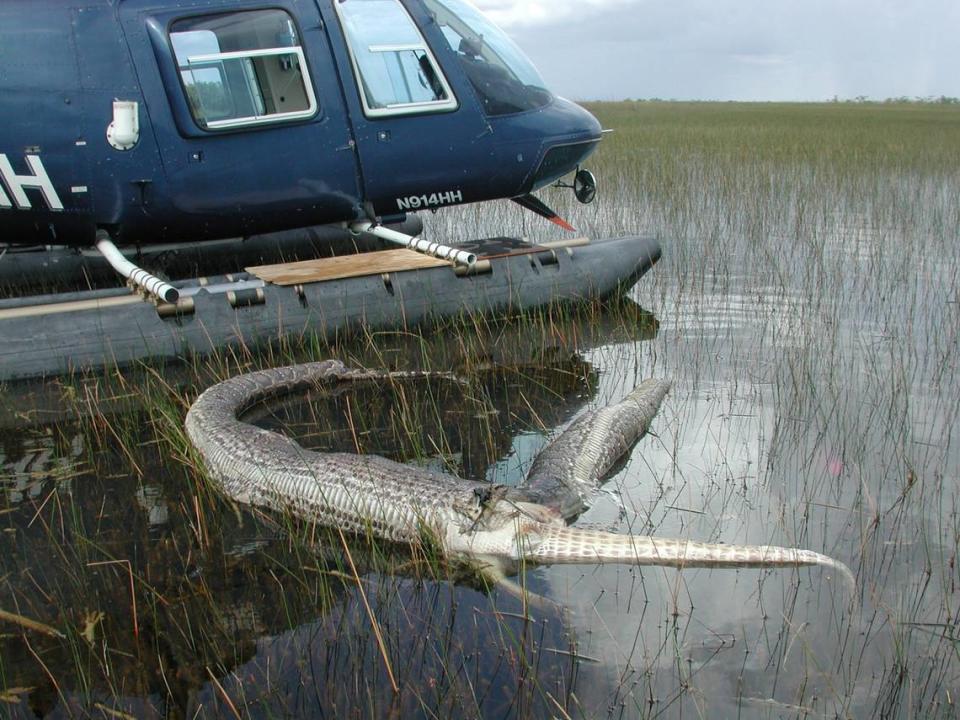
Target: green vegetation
<point x="762" y="159"/>
<point x="807" y="310"/>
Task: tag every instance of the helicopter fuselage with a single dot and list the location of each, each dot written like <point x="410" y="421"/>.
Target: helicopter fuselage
<point x="186" y="120"/>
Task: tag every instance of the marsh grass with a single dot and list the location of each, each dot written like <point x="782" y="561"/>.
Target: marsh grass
<point x="806" y="309"/>
<point x="162" y="589"/>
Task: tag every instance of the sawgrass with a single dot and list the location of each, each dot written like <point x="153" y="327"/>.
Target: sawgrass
<point x="160" y="586"/>
<point x="806" y="309"/>
<point x="807" y="301"/>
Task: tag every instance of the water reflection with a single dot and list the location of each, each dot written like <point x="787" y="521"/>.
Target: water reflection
<point x="175" y="604"/>
<point x="831" y="427"/>
<point x="781" y="428"/>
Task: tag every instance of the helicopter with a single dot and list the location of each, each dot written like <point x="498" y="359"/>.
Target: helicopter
<point x="131" y="127"/>
<point x="152" y="121"/>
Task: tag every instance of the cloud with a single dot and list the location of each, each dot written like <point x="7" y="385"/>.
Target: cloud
<point x="525" y="13"/>
<point x="738" y="49"/>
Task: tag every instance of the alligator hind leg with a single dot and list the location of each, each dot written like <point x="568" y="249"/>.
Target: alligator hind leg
<point x="486" y="573"/>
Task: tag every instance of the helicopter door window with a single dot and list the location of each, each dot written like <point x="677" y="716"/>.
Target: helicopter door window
<point x="395" y="68"/>
<point x="242" y="69"/>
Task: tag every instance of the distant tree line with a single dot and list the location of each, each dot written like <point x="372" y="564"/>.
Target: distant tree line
<point x="929" y="100"/>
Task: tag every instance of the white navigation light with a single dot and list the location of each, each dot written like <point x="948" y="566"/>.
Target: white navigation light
<point x="124" y="132"/>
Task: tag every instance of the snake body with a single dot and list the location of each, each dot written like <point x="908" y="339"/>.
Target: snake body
<point x="496" y="525"/>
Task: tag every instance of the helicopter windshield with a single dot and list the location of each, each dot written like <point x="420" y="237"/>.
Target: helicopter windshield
<point x="505" y="80"/>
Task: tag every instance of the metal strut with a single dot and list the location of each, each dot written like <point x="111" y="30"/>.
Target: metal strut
<point x="444" y="252"/>
<point x="138" y="276"/>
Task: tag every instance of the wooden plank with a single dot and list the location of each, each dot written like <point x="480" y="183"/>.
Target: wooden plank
<point x="533" y="249"/>
<point x="380" y="262"/>
<point x="72" y="306"/>
<point x="345" y="266"/>
<point x="569" y="242"/>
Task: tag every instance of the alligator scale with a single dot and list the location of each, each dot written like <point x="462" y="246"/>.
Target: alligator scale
<point x="498" y="526"/>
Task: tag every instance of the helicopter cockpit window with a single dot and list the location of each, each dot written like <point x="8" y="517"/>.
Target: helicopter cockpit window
<point x="243" y="68"/>
<point x="504" y="79"/>
<point x="395" y="69"/>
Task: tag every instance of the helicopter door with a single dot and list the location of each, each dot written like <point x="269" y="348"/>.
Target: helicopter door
<point x="247" y="110"/>
<point x="420" y="141"/>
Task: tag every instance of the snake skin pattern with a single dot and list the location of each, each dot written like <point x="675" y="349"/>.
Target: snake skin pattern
<point x="570" y="469"/>
<point x="497" y="525"/>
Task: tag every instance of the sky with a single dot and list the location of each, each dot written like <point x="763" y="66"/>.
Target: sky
<point x="777" y="50"/>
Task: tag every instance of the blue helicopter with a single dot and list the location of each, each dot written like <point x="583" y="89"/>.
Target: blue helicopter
<point x="159" y="120"/>
<point x="151" y="124"/>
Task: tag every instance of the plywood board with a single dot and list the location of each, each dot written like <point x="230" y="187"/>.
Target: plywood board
<point x="345" y="266"/>
<point x="388" y="261"/>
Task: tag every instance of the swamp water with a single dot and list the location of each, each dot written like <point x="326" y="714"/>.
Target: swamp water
<point x="806" y="309"/>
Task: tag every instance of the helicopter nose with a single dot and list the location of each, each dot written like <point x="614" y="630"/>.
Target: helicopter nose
<point x="590" y="123"/>
<point x="572" y="133"/>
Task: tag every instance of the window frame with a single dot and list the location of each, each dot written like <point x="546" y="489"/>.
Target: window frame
<point x="209" y="59"/>
<point x="450" y="104"/>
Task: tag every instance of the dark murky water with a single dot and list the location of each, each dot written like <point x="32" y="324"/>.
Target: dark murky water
<point x="172" y="603"/>
<point x="815" y="404"/>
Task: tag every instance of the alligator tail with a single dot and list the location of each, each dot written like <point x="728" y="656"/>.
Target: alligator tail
<point x="555" y="544"/>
